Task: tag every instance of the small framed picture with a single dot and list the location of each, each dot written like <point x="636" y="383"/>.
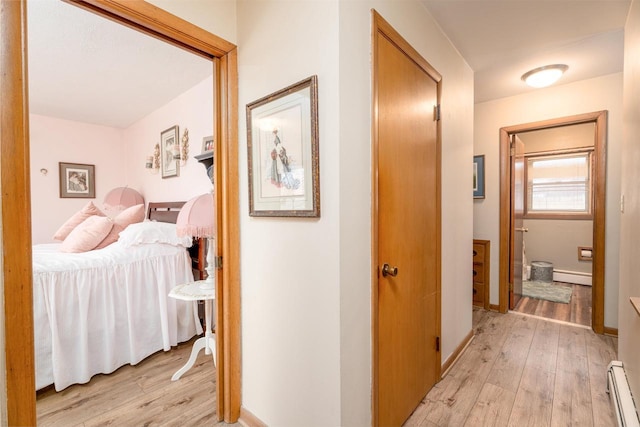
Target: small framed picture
<point x="282" y="139"/>
<point x="478" y="177"/>
<point x="207" y="144"/>
<point x="170" y="152"/>
<point x="77" y="180"/>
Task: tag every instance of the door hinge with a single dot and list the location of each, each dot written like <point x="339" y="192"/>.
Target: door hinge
<point x="218" y="262"/>
<point x="436" y="113"/>
<point x="437" y="343"/>
<point x="510" y="287"/>
<point x="512" y="147"/>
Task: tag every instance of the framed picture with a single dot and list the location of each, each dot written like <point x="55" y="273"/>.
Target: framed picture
<point x="207" y="144"/>
<point x="282" y="139"/>
<point x="77" y="180"/>
<point x="170" y="152"/>
<point x="478" y="177"/>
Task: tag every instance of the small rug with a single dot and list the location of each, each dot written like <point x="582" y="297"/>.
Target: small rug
<point x="546" y="291"/>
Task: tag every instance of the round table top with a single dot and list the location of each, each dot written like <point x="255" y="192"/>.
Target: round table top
<point x="193" y="291"/>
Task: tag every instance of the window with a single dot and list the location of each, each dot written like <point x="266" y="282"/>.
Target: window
<point x="559" y="185"/>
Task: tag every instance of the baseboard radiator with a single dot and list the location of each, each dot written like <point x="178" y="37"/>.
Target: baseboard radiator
<point x="620" y="395"/>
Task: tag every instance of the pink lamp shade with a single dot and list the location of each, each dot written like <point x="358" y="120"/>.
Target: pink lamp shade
<point x="196" y="218"/>
<point x="121" y="198"/>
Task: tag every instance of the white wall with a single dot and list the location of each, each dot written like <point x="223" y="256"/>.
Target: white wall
<point x="320" y="311"/>
<point x="216" y="16"/>
<point x="290" y="267"/>
<point x="601" y="93"/>
<point x="629" y="329"/>
<point x="191" y="110"/>
<point x="55" y="140"/>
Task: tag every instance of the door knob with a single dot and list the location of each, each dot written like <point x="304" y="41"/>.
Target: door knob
<point x="387" y="270"/>
<point x="524" y="230"/>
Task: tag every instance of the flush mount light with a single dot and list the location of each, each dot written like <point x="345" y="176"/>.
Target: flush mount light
<point x="544" y="76"/>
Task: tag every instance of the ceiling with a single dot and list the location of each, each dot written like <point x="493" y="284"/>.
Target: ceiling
<point x="76" y="73"/>
<point x="86" y="68"/>
<point x="501" y="40"/>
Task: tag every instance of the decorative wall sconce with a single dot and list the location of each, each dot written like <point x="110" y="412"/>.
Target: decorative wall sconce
<point x="184" y="152"/>
<point x="152" y="163"/>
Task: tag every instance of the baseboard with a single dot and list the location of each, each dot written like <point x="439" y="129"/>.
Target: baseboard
<point x="572" y="277"/>
<point x="247" y="419"/>
<point x="494" y="307"/>
<point x="446" y="366"/>
<point x="611" y="331"/>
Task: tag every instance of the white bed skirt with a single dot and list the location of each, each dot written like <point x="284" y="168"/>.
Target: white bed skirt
<point x="97" y="311"/>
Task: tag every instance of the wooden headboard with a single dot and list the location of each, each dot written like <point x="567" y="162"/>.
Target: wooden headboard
<point x="168" y="212"/>
<point x="164" y="211"/>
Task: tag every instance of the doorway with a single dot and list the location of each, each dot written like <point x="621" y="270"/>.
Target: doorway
<point x="19" y="375"/>
<point x="406" y="234"/>
<point x="513" y="228"/>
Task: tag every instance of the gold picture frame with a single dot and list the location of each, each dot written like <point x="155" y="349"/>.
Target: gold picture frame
<point x="283" y="160"/>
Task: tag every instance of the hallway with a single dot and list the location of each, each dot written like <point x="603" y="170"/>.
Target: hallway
<point x="520" y="370"/>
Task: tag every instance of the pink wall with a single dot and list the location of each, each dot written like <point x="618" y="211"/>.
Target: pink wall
<point x="119" y="157"/>
<point x="192" y="110"/>
<point x="54" y="140"/>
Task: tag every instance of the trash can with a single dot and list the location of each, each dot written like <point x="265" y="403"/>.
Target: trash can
<point x="542" y="271"/>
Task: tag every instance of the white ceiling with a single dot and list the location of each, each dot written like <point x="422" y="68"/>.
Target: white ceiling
<point x="501" y="40"/>
<point x="85" y="68"/>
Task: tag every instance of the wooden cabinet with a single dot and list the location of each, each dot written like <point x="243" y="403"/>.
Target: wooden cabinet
<point x="481" y="254"/>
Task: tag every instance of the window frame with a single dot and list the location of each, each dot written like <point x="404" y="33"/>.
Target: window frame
<point x="560" y="214"/>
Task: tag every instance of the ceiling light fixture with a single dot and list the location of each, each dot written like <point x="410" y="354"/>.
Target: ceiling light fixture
<point x="544" y="76"/>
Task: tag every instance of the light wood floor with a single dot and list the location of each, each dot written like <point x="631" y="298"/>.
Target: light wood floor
<point x="138" y="395"/>
<point x="523" y="371"/>
<point x="577" y="311"/>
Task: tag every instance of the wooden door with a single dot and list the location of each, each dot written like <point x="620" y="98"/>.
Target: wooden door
<point x="408" y="231"/>
<point x="517" y="208"/>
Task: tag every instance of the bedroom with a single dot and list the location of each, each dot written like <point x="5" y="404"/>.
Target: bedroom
<point x="94" y="130"/>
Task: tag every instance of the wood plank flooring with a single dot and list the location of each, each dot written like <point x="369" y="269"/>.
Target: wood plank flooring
<point x="138" y="395"/>
<point x="523" y="371"/>
<point x="577" y="311"/>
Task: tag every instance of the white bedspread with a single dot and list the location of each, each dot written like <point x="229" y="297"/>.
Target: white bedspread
<point x="99" y="310"/>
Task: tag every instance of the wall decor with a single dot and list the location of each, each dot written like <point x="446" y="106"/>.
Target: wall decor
<point x="184" y="147"/>
<point x="207" y="144"/>
<point x="478" y="177"/>
<point x="170" y="152"/>
<point x="282" y="142"/>
<point x="77" y="180"/>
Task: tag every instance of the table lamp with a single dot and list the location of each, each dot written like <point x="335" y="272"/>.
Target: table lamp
<point x="197" y="219"/>
<point x="121" y="198"/>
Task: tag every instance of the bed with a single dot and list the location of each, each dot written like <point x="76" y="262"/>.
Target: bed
<point x="99" y="310"/>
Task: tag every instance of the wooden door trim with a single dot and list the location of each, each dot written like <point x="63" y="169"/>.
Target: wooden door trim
<point x="16" y="204"/>
<point x="381" y="27"/>
<point x="599" y="118"/>
<point x="17" y="276"/>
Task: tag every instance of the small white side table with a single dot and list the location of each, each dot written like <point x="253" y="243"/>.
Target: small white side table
<point x="193" y="292"/>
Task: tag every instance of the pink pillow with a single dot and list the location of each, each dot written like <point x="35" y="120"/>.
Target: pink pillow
<point x="87" y="235"/>
<point x="77" y="218"/>
<point x="131" y="215"/>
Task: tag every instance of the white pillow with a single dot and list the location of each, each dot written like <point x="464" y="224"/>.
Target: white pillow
<point x="152" y="232"/>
